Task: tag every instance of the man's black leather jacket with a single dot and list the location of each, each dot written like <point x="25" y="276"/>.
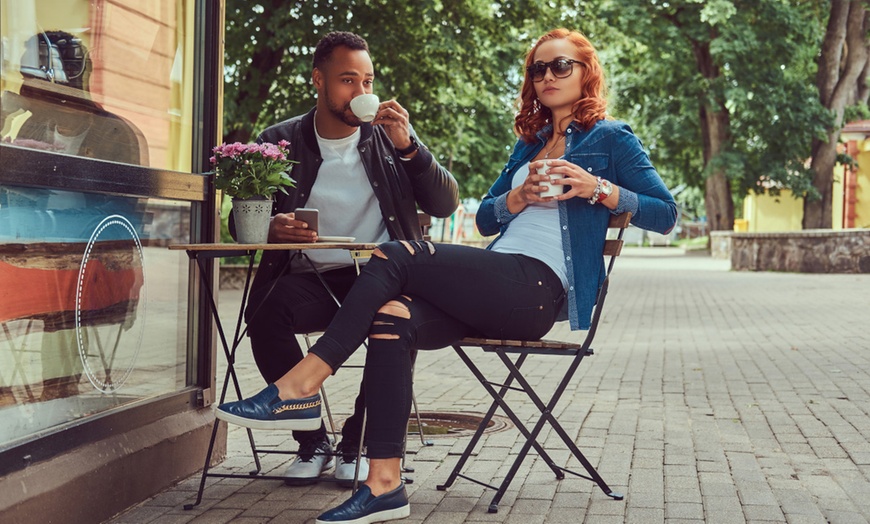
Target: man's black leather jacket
<point x="400" y="186"/>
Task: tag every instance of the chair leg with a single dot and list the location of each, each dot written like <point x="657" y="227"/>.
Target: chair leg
<point x="530" y="436"/>
<point x="546" y="411"/>
<point x="359" y="450"/>
<point x="423" y="440"/>
<point x="329" y="418"/>
<point x="466" y="454"/>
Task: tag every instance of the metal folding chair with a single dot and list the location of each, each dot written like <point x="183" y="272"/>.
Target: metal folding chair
<point x="522" y="349"/>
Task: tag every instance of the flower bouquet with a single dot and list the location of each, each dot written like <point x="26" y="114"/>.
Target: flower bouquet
<point x="251" y="174"/>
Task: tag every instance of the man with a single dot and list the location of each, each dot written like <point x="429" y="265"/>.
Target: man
<point x="366" y="179"/>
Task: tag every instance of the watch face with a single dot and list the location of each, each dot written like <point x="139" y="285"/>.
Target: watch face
<point x="606" y="190"/>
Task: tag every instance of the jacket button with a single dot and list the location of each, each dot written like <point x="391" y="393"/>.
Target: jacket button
<point x="374" y="184"/>
<point x="392" y="219"/>
<point x="362" y="149"/>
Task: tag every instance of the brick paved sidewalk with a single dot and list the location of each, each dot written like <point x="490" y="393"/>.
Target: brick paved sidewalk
<point x="714" y="396"/>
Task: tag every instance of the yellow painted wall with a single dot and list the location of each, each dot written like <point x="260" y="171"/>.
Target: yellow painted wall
<point x="766" y="213"/>
<point x="862" y="208"/>
<point x="837" y="195"/>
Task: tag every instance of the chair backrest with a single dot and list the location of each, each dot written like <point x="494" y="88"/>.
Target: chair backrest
<point x="612" y="249"/>
<point x="425" y="223"/>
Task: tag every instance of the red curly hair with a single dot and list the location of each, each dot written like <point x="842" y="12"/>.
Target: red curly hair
<point x="589" y="109"/>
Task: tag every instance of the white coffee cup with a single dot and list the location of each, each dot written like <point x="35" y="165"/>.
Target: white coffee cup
<point x="365" y="107"/>
<point x="552" y="189"/>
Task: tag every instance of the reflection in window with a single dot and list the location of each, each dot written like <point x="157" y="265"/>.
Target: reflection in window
<point x="93" y="306"/>
<point x="105" y="79"/>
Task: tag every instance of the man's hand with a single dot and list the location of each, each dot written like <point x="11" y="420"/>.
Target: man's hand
<point x="285" y="229"/>
<point x="394" y="118"/>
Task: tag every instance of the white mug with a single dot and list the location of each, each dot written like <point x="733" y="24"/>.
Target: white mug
<point x="365" y="107"/>
<point x="552" y="189"/>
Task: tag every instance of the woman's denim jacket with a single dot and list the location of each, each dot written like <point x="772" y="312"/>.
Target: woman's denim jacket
<point x="609" y="150"/>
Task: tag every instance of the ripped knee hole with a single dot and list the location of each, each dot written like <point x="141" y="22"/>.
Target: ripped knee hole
<point x="394" y="308"/>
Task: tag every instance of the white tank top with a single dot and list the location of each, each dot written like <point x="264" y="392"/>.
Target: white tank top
<point x="535" y="232"/>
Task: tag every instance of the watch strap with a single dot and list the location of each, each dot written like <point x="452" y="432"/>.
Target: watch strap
<point x="411" y="148"/>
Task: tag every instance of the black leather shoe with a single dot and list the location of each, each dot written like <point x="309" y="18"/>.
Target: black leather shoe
<point x="266" y="410"/>
<point x="363" y="508"/>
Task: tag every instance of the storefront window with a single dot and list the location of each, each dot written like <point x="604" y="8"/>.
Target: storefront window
<point x="104" y="79"/>
<point x="94" y="309"/>
<point x="93" y="306"/>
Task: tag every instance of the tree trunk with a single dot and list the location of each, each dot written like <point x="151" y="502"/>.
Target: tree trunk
<point x="716" y="134"/>
<point x="842" y="63"/>
<point x="717" y="188"/>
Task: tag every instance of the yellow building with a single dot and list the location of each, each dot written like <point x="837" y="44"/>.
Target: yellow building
<point x="851" y="194"/>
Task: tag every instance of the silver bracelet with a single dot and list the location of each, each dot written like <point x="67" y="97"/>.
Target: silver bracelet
<point x="595" y="194"/>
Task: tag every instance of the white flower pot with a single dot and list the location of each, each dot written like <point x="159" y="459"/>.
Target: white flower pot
<point x="251" y="217"/>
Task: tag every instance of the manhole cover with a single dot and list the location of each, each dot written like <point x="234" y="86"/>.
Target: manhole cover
<point x="452" y="424"/>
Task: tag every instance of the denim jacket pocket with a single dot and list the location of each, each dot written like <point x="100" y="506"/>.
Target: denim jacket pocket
<point x="596" y="164"/>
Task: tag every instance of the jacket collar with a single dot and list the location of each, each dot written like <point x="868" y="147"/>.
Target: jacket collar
<point x="310" y="136"/>
<point x="544" y="134"/>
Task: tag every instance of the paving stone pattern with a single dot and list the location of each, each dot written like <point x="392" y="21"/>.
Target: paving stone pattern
<point x="714" y="396"/>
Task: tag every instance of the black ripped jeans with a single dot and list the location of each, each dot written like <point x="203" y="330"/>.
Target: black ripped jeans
<point x="298" y="304"/>
<point x="450" y="291"/>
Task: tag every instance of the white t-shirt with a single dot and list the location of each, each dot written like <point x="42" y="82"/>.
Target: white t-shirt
<point x="346" y="201"/>
<point x="535" y="232"/>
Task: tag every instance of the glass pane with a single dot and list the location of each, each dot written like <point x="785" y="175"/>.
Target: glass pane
<point x="106" y="79"/>
<point x="93" y="306"/>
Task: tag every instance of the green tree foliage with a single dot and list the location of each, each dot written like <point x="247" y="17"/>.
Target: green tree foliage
<point x="722" y="92"/>
<point x="455" y="65"/>
<point x="684" y="61"/>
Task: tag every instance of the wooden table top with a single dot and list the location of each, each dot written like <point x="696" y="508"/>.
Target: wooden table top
<point x="274" y="247"/>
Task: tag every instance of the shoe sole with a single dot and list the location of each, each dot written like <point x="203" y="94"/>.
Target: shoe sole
<point x="381" y="516"/>
<point x="299" y="424"/>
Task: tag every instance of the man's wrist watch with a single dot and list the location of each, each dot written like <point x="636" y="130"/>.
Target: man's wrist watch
<point x="410" y="149"/>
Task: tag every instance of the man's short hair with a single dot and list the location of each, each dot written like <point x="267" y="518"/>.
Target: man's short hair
<point x="328" y="43"/>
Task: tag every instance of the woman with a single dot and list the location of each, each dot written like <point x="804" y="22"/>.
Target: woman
<point x="418" y="295"/>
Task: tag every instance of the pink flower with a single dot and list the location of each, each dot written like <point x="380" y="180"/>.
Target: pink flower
<point x="245" y="170"/>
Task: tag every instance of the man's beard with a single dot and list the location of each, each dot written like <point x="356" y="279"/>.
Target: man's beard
<point x="343" y="113"/>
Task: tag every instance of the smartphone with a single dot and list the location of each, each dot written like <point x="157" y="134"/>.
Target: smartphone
<point x="309" y="216"/>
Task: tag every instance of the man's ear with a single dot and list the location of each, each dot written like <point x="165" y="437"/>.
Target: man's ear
<point x="317" y="78"/>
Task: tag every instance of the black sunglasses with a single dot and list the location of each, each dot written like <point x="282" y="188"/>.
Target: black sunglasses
<point x="561" y="68"/>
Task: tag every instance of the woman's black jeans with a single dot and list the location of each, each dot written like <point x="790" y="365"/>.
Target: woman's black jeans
<point x="449" y="291"/>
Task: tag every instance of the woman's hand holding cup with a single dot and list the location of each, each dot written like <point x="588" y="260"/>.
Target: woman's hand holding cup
<point x="550" y="189"/>
<point x="530" y="191"/>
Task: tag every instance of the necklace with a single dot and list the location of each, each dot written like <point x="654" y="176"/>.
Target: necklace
<point x="547" y="154"/>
